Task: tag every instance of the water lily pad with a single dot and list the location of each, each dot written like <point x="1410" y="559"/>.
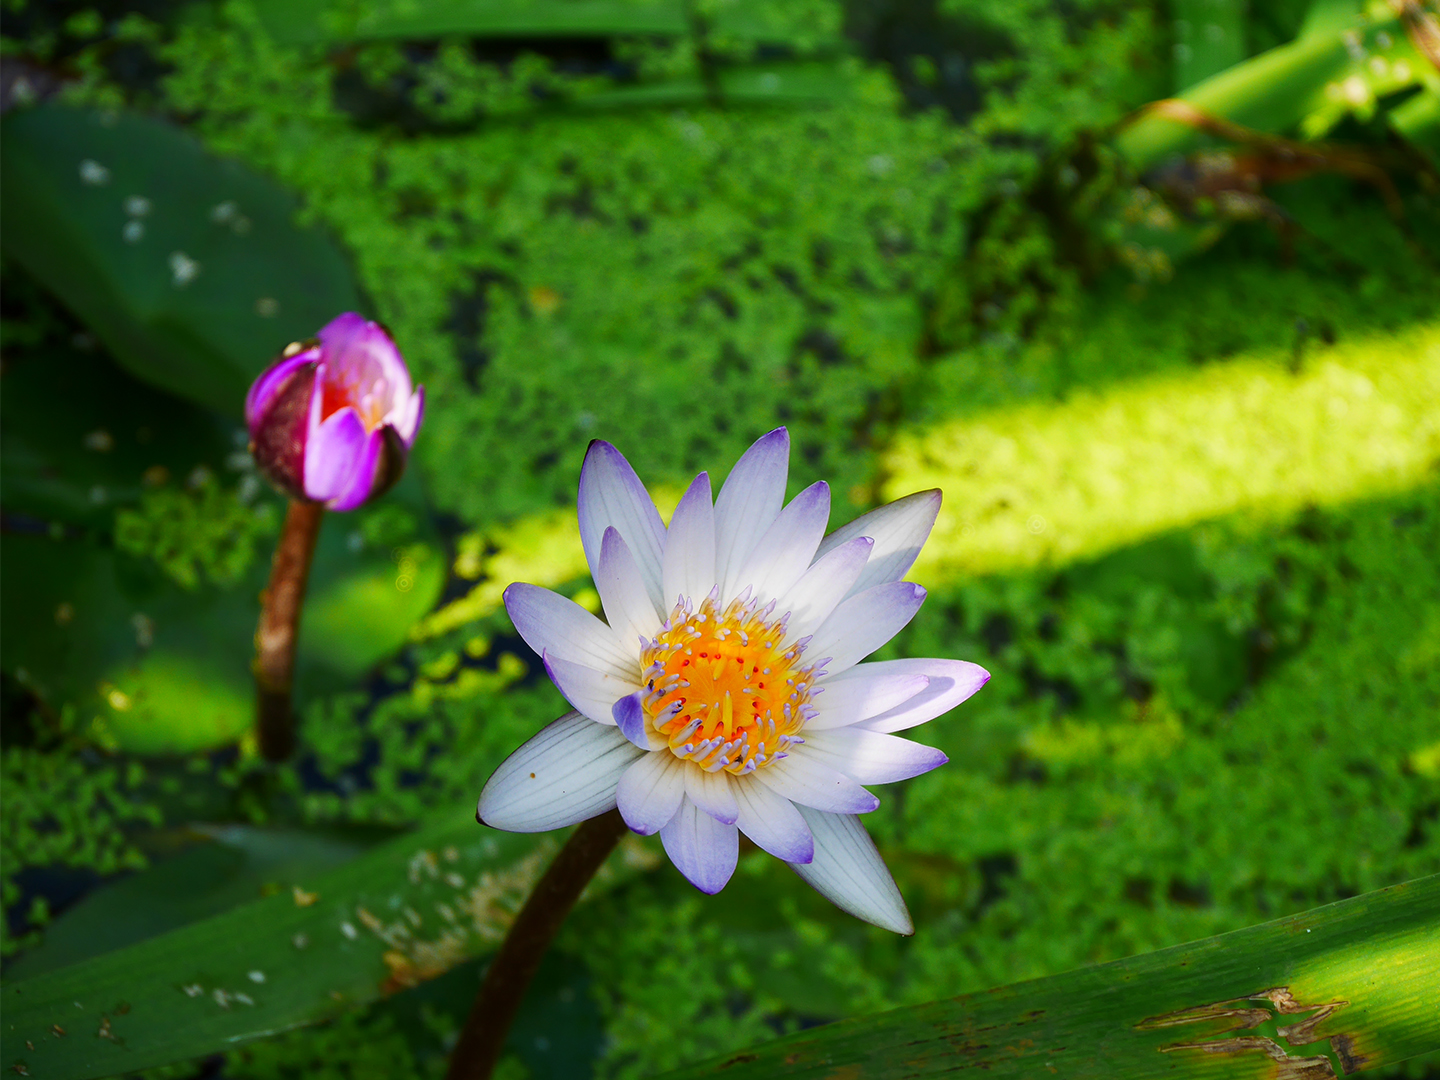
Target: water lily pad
<point x="79" y="437"/>
<point x="189" y="268"/>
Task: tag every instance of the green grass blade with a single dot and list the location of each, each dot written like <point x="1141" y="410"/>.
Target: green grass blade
<point x="407" y="911"/>
<point x="1350" y="986"/>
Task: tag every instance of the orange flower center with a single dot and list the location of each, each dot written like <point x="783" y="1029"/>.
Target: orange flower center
<point x="359" y="386"/>
<point x="727" y="690"/>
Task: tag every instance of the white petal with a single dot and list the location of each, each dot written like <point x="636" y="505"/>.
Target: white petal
<point x="650" y="792"/>
<point x="689" y="559"/>
<point x="711" y="793"/>
<point x="863" y="623"/>
<point x="623" y="594"/>
<point x="702" y="849"/>
<point x="860" y="693"/>
<point x="772" y="822"/>
<point x="821" y="588"/>
<point x="551" y="623"/>
<point x="611" y="494"/>
<point x="868" y="757"/>
<point x="951" y="682"/>
<point x="566" y="773"/>
<point x="748" y="502"/>
<point x="804" y="780"/>
<point x="899" y="530"/>
<point x="784" y="552"/>
<point x="848" y="871"/>
<point x="593" y="692"/>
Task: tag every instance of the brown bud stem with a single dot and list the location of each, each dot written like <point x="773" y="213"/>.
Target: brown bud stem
<point x="509" y="974"/>
<point x="279" y="627"/>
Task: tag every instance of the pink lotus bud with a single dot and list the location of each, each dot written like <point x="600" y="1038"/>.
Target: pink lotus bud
<point x="334" y="419"/>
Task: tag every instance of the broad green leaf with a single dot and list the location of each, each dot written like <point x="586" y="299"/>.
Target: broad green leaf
<point x="223" y="866"/>
<point x="190" y="269"/>
<point x="78" y="437"/>
<point x="1338" y="989"/>
<point x="410" y="910"/>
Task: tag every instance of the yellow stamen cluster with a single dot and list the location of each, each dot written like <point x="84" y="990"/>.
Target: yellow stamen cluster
<point x="726" y="689"/>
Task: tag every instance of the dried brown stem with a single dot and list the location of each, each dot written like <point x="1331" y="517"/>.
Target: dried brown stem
<point x="530" y="935"/>
<point x="279" y="628"/>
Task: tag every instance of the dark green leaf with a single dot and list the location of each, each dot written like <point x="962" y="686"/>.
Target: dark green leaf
<point x="224" y="866"/>
<point x="1349" y="986"/>
<point x="410" y="910"/>
<point x="77" y="437"/>
<point x="190" y="269"/>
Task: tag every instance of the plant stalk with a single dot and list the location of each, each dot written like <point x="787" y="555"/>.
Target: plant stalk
<point x="509" y="974"/>
<point x="279" y="628"/>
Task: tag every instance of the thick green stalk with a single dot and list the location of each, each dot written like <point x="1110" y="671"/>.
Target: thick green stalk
<point x="1272" y="92"/>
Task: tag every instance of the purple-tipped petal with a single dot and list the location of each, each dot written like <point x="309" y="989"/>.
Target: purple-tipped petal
<point x="820" y="589"/>
<point x="552" y="623"/>
<point x="710" y="791"/>
<point x="803" y="780"/>
<point x="864" y="622"/>
<point x="860" y="693"/>
<point x="868" y="757"/>
<point x="339" y="457"/>
<point x="566" y="773"/>
<point x="593" y="692"/>
<point x="689" y="560"/>
<point x="951" y="682"/>
<point x="271" y="382"/>
<point x="783" y="554"/>
<point x="629" y="716"/>
<point x="622" y="592"/>
<point x="703" y="849"/>
<point x="848" y="871"/>
<point x="611" y="494"/>
<point x="772" y="822"/>
<point x="748" y="502"/>
<point x="899" y="530"/>
<point x="650" y="792"/>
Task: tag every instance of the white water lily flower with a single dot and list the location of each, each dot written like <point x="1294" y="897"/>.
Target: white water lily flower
<point x="726" y="695"/>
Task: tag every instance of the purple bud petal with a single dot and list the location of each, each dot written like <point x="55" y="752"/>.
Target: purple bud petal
<point x="280" y="433"/>
<point x="335" y="421"/>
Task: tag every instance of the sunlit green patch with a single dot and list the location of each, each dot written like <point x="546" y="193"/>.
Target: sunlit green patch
<point x="1047" y="484"/>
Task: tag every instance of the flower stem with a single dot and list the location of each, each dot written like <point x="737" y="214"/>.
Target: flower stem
<point x="279" y="628"/>
<point x="509" y="974"/>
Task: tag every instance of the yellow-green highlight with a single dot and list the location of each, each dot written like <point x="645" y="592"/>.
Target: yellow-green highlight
<point x="543" y="549"/>
<point x="1047" y="484"/>
<point x="1392" y="989"/>
<point x="171" y="704"/>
